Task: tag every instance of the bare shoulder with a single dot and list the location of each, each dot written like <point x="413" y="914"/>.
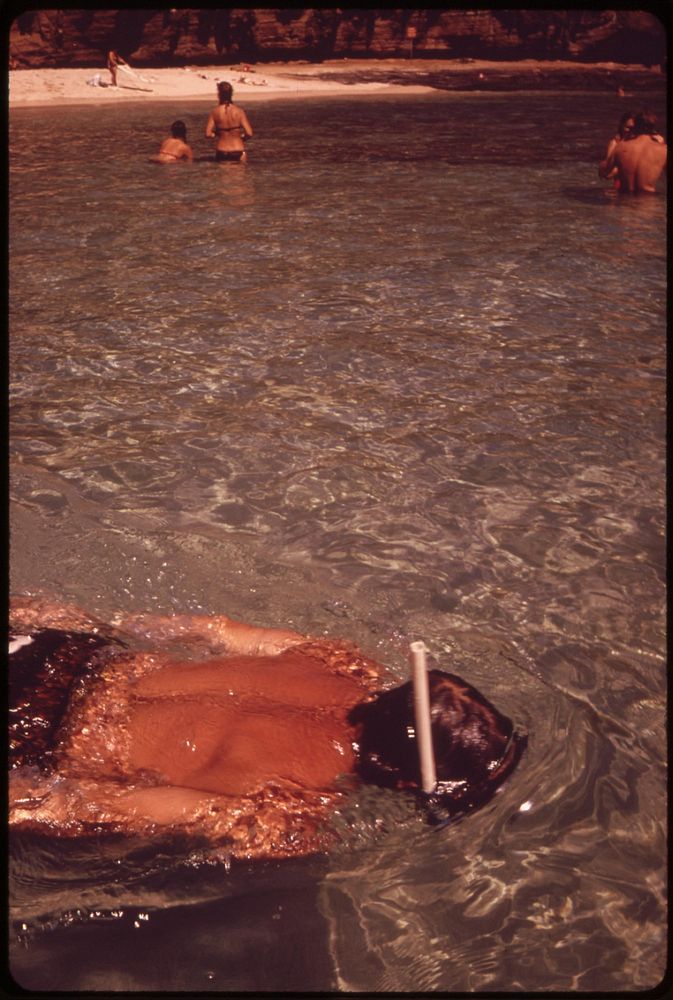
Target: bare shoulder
<point x="345" y="659"/>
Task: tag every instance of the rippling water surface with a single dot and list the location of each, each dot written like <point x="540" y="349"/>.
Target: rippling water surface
<point x="402" y="376"/>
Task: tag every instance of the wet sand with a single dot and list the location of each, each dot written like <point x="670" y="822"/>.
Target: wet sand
<point x="38" y="87"/>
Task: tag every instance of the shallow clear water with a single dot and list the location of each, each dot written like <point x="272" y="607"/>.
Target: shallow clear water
<point x="402" y="376"/>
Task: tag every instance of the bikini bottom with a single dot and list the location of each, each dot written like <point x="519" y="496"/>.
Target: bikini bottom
<point x="234" y="155"/>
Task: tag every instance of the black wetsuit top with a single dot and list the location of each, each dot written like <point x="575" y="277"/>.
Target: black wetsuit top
<point x="222" y="155"/>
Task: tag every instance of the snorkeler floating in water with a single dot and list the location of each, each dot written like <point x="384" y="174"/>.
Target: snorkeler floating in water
<point x="247" y="736"/>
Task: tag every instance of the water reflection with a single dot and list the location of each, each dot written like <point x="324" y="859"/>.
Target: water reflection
<point x="596" y="195"/>
<point x="235" y="183"/>
<point x="385" y="402"/>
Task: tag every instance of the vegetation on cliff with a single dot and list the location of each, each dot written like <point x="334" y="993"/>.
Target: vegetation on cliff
<point x="71" y="37"/>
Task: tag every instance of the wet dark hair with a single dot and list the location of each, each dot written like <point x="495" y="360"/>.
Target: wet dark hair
<point x="225" y="92"/>
<point x="179" y="130"/>
<point x="644" y="123"/>
<point x="475" y="746"/>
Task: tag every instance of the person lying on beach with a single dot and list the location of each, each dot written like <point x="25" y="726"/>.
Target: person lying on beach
<point x="623" y="131"/>
<point x="249" y="737"/>
<point x="175" y="148"/>
<point x="230" y="125"/>
<point x="640" y="158"/>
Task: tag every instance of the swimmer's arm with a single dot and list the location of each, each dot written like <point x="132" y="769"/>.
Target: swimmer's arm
<point x="219" y="632"/>
<point x="75" y="807"/>
<point x="245" y="125"/>
<point x="608" y="167"/>
<point x="71" y="805"/>
<point x="210" y="127"/>
<point x="188" y="155"/>
<point x="604" y="169"/>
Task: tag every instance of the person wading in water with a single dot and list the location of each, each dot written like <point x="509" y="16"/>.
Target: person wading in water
<point x="229" y="124"/>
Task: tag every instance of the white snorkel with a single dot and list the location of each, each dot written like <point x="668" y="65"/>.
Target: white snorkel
<point x="419" y="675"/>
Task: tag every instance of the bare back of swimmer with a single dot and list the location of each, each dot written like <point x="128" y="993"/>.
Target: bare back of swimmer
<point x="252" y="742"/>
<point x="640" y="158"/>
<point x="175" y="149"/>
<point x="229" y="124"/>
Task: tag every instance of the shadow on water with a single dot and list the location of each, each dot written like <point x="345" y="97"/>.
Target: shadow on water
<point x="590" y="195"/>
<point x="227" y="927"/>
<point x="607" y="196"/>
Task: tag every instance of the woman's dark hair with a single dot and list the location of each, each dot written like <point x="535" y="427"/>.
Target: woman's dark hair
<point x="225" y="92"/>
<point x="624" y="127"/>
<point x="179" y="131"/>
<point x="475" y="746"/>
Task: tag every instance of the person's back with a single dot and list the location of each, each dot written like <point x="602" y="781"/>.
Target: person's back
<point x="641" y="158"/>
<point x="175" y="148"/>
<point x="229" y="124"/>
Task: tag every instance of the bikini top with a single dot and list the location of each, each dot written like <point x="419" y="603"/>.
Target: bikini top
<point x="227" y="128"/>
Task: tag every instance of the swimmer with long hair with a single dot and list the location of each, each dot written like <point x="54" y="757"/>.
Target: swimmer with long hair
<point x="229" y="124"/>
<point x="249" y="737"/>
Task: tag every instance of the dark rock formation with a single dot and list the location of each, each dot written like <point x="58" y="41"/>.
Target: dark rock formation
<point x="172" y="37"/>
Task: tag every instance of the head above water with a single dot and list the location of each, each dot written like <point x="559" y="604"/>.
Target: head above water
<point x="179" y="130"/>
<point x="644" y="123"/>
<point x="475" y="746"/>
<point x="625" y="124"/>
<point x="225" y="92"/>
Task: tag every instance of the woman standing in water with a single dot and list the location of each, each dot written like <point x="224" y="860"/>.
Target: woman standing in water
<point x="230" y="125"/>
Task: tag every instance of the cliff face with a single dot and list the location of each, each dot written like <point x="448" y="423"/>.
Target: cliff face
<point x="56" y="38"/>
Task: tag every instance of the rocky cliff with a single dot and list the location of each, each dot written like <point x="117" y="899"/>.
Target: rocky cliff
<point x="56" y="38"/>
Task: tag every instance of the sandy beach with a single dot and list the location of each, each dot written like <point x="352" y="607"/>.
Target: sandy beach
<point x="38" y="87"/>
<point x="35" y="87"/>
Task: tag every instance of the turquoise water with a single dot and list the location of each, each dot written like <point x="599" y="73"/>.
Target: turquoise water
<point x="401" y="376"/>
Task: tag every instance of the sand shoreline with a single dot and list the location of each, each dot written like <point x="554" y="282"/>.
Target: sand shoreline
<point x="338" y="78"/>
